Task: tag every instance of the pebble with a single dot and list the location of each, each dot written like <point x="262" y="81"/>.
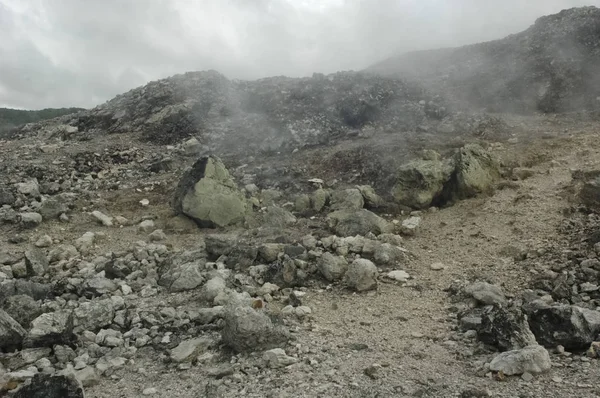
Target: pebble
<point x="437" y="266"/>
<point x="398" y="275"/>
<point x="149" y="391"/>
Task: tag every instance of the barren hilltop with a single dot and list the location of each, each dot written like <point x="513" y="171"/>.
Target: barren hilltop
<point x="425" y="228"/>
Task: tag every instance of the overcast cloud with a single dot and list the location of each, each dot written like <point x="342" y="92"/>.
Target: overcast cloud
<point x="59" y="53"/>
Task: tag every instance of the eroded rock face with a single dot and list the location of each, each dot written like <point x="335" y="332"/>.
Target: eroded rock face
<point x="208" y="194"/>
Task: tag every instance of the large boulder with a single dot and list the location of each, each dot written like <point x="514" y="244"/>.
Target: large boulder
<point x="476" y="171"/>
<point x="347" y="199"/>
<point x="358" y="222"/>
<point x="531" y="359"/>
<point x="247" y="329"/>
<point x="420" y="182"/>
<point x="208" y="194"/>
<point x="567" y="325"/>
<point x="361" y="275"/>
<point x="505" y="328"/>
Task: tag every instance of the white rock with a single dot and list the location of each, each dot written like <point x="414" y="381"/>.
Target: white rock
<point x="277" y="358"/>
<point x="102" y="218"/>
<point x="411" y="225"/>
<point x="188" y="350"/>
<point x="437" y="266"/>
<point x="44" y="241"/>
<point x="532" y="359"/>
<point x="149" y="391"/>
<point x="146" y="226"/>
<point x="398" y="275"/>
<point x="144" y="202"/>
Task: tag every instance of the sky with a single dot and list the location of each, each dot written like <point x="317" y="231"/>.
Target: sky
<point x="63" y="53"/>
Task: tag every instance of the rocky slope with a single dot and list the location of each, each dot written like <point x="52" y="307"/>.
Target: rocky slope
<point x="163" y="245"/>
<point x="550" y="67"/>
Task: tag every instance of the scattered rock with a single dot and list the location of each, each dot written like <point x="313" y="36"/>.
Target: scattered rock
<point x="410" y="226"/>
<point x="532" y="359"/>
<point x="51" y="328"/>
<point x="332" y="267"/>
<point x="421" y="182"/>
<point x="102" y="218"/>
<point x="361" y="275"/>
<point x="188" y="350"/>
<point x="31" y="219"/>
<point x="208" y="194"/>
<point x="277" y="358"/>
<point x="51" y="386"/>
<point x="348" y="199"/>
<point x="505" y="329"/>
<point x="486" y="293"/>
<point x="247" y="329"/>
<point x="358" y="222"/>
<point x="11" y="333"/>
<point x="398" y="275"/>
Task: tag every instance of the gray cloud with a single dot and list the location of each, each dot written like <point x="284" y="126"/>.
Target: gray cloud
<point x="82" y="53"/>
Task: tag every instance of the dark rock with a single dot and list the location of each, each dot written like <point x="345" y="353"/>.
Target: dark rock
<point x="37" y="291"/>
<point x="505" y="328"/>
<point x="36" y="262"/>
<point x="6" y="197"/>
<point x="48" y="386"/>
<point x="52" y="208"/>
<point x="247" y="329"/>
<point x="11" y="333"/>
<point x="22" y="308"/>
<point x="564" y="325"/>
<point x="51" y="328"/>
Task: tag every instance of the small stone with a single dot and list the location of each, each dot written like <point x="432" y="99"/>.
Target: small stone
<point x="398" y="275"/>
<point x="188" y="350"/>
<point x="144" y="202"/>
<point x="277" y="358"/>
<point x="437" y="266"/>
<point x="44" y="241"/>
<point x="532" y="359"/>
<point x="102" y="218"/>
<point x="157" y="236"/>
<point x="31" y="219"/>
<point x="410" y="226"/>
<point x="149" y="391"/>
<point x="146" y="226"/>
<point x="373" y="371"/>
<point x="361" y="275"/>
<point x="527" y="376"/>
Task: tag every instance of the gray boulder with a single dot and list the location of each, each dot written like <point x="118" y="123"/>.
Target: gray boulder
<point x="486" y="293"/>
<point x="247" y="329"/>
<point x="567" y="325"/>
<point x="277" y="217"/>
<point x="11" y="333"/>
<point x="420" y="182"/>
<point x="505" y="329"/>
<point x="347" y="199"/>
<point x="533" y="359"/>
<point x="361" y="275"/>
<point x="36" y="261"/>
<point x="357" y="222"/>
<point x="44" y="385"/>
<point x="22" y="308"/>
<point x="52" y="208"/>
<point x="332" y="267"/>
<point x="476" y="171"/>
<point x="208" y="194"/>
<point x="51" y="328"/>
<point x="182" y="277"/>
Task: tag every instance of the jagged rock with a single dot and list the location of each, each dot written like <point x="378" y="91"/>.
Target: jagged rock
<point x="505" y="329"/>
<point x="269" y="197"/>
<point x="36" y="262"/>
<point x="87" y="376"/>
<point x="278" y="217"/>
<point x="410" y="226"/>
<point x="421" y="182"/>
<point x="204" y="316"/>
<point x="486" y="293"/>
<point x="208" y="194"/>
<point x="348" y="199"/>
<point x="332" y="267"/>
<point x="387" y="254"/>
<point x="218" y="245"/>
<point x="99" y="285"/>
<point x="157" y="236"/>
<point x="533" y="359"/>
<point x="93" y="315"/>
<point x="31" y="219"/>
<point x="372" y="200"/>
<point x="302" y="203"/>
<point x="43" y="241"/>
<point x="319" y="199"/>
<point x="182" y="277"/>
<point x="6" y="197"/>
<point x="29" y="188"/>
<point x="590" y="193"/>
<point x="22" y="308"/>
<point x="51" y="386"/>
<point x="146" y="226"/>
<point x="11" y="333"/>
<point x="277" y="358"/>
<point x="62" y="252"/>
<point x="357" y="222"/>
<point x="8" y="215"/>
<point x="398" y="275"/>
<point x="361" y="275"/>
<point x="51" y="328"/>
<point x="52" y="208"/>
<point x="213" y="288"/>
<point x="189" y="350"/>
<point x="85" y="243"/>
<point x="567" y="325"/>
<point x="476" y="171"/>
<point x="21" y="359"/>
<point x="38" y="291"/>
<point x="247" y="329"/>
<point x="269" y="252"/>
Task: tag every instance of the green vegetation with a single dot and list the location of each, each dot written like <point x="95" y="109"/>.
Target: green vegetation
<point x="11" y="118"/>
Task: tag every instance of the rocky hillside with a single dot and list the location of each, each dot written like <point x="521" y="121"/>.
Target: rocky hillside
<point x="13" y="118"/>
<point x="551" y="67"/>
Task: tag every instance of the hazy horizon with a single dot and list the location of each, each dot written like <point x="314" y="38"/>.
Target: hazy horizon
<point x="80" y="54"/>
